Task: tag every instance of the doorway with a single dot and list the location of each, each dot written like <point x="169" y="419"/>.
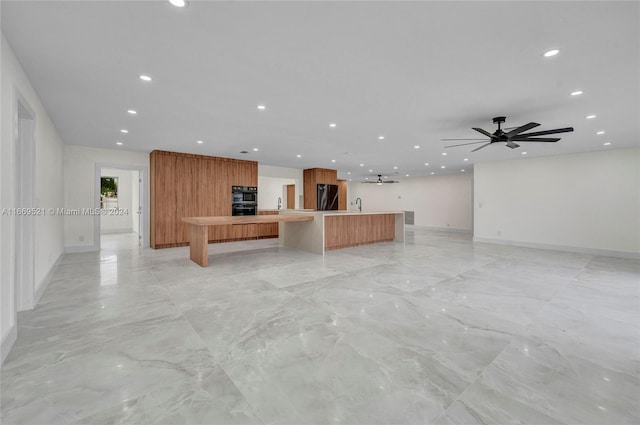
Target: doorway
<point x="122" y="199"/>
<point x="24" y="190"/>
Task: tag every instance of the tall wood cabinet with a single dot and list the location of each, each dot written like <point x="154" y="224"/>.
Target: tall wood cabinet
<point x="311" y="178"/>
<point x="186" y="185"/>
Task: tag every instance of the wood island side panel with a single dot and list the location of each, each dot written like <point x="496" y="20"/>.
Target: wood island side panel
<point x="342" y="231"/>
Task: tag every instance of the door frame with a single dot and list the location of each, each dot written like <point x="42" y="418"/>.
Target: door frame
<point x="24" y="196"/>
<point x="144" y="199"/>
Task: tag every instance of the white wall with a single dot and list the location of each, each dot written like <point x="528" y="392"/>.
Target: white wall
<point x="49" y="238"/>
<point x="270" y="182"/>
<point x="135" y="201"/>
<point x="585" y="202"/>
<point x="270" y="189"/>
<point x="438" y="201"/>
<point x="115" y="223"/>
<point x="79" y="189"/>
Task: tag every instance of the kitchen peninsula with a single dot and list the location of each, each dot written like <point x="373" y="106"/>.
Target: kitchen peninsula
<point x="313" y="231"/>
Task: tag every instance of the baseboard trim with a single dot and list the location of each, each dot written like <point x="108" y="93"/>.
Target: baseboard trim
<point x="7" y="342"/>
<point x="446" y="229"/>
<point x="563" y="248"/>
<point x="45" y="280"/>
<point x="80" y="249"/>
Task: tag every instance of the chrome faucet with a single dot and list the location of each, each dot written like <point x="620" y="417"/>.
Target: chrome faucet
<point x="359" y="205"/>
<point x="279" y="202"/>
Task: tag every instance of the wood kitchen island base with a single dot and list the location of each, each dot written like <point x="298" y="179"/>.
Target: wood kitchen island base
<point x="334" y="230"/>
<point x="313" y="231"/>
<point x="199" y="230"/>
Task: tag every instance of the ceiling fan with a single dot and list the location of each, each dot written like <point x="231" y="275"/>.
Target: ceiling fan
<point x="379" y="182"/>
<point x="510" y="137"/>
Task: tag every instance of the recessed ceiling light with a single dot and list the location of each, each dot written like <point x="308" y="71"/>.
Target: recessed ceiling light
<point x="406" y="175"/>
<point x="124" y="131"/>
<point x="255" y="149"/>
<point x="577" y="93"/>
<point x="119" y="143"/>
<point x="199" y="142"/>
<point x="524" y="153"/>
<point x="607" y="143"/>
<point x="426" y="163"/>
<point x="332" y="125"/>
<point x="416" y="147"/>
<point x="362" y="165"/>
<point x="348" y="172"/>
<point x="333" y="160"/>
<point x="350" y="179"/>
<point x="178" y="3"/>
<point x="462" y="171"/>
<point x="366" y="178"/>
<point x="371" y="171"/>
<point x="590" y="117"/>
<point x="380" y="137"/>
<point x="432" y="173"/>
<point x="600" y="132"/>
<point x="299" y="156"/>
<point x="132" y="112"/>
<point x="466" y="159"/>
<point x="395" y="168"/>
<point x="551" y="53"/>
<point x="145" y="78"/>
<point x="444" y="154"/>
<point x="262" y="107"/>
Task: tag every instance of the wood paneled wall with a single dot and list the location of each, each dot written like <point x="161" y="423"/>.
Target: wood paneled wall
<point x="311" y="178"/>
<point x="187" y="185"/>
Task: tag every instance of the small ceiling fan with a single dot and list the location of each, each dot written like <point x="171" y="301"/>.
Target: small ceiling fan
<point x="379" y="182"/>
<point x="515" y="135"/>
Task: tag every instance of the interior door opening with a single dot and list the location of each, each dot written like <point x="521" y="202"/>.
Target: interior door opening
<point x="121" y="194"/>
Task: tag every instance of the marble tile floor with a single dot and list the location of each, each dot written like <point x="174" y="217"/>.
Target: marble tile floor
<point x="436" y="330"/>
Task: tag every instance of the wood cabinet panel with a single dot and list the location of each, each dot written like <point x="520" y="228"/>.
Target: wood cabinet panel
<point x="343" y="231"/>
<point x="342" y="194"/>
<point x="268" y="230"/>
<point x="187" y="185"/>
<point x="311" y="178"/>
<point x="291" y="196"/>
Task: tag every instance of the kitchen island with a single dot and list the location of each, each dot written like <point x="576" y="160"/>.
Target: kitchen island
<point x="313" y="231"/>
<point x="342" y="229"/>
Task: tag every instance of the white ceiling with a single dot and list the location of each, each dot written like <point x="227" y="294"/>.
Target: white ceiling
<point x="414" y="72"/>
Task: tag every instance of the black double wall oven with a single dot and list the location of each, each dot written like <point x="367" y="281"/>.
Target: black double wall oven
<point x="244" y="200"/>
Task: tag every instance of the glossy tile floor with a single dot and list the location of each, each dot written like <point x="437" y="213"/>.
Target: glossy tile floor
<point x="435" y="330"/>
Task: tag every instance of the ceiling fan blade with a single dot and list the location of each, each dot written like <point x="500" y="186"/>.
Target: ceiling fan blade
<point x="542" y="133"/>
<point x="459" y="139"/>
<point x="477" y="149"/>
<point x="521" y="129"/>
<point x="534" y="139"/>
<point x="465" y="144"/>
<point x="485" y="132"/>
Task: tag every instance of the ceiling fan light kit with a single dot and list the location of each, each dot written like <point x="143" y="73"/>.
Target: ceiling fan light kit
<point x="509" y="138"/>
<point x="379" y="181"/>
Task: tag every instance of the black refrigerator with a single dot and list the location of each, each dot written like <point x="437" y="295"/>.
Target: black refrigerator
<point x="327" y="197"/>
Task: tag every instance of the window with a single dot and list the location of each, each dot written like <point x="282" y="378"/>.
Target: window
<point x="108" y="192"/>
